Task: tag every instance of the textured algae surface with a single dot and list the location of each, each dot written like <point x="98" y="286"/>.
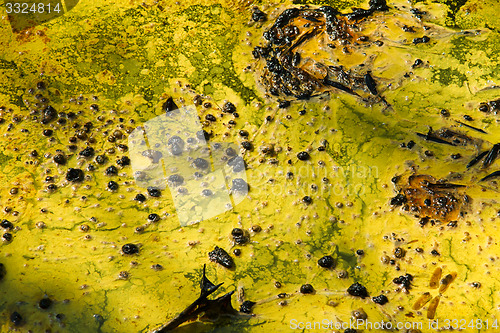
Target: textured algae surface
<point x="107" y="67"/>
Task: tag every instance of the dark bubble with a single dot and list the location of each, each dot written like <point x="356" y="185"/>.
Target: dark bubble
<point x="16" y="318"/>
<point x="87" y="152"/>
<point x="154" y="192"/>
<point x="303" y="156"/>
<point x="111" y="170"/>
<point x="228" y="107"/>
<point x="140" y="197"/>
<point x="326" y="262"/>
<point x="74" y="175"/>
<point x="45" y="303"/>
<point x="306" y="289"/>
<point x="113" y="186"/>
<point x="130" y="248"/>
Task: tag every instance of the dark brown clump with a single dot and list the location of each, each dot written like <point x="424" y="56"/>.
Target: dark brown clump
<point x="326" y="262"/>
<point x="381" y="299"/>
<point x="228" y="107"/>
<point x="404" y="280"/>
<point x="303" y="156"/>
<point x="221" y="257"/>
<point x="357" y="290"/>
<point x="306" y="289"/>
<point x="240" y="236"/>
<point x="74" y="175"/>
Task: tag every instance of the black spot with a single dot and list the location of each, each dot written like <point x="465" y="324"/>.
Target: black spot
<point x="357" y="290"/>
<point x="404" y="280"/>
<point x="154" y="217"/>
<point x="399" y="252"/>
<point x="48" y="114"/>
<point x="59" y="159"/>
<point x="306" y="289"/>
<point x="6" y="224"/>
<point x="111" y="170"/>
<point x="124" y="161"/>
<point x="7" y="237"/>
<point x="140" y="197"/>
<point x="307" y="200"/>
<point x="456" y="156"/>
<point x="240" y="236"/>
<point x="74" y="175"/>
<point x="410" y="144"/>
<point x="210" y="117"/>
<point x="435" y="253"/>
<point x="247" y="145"/>
<point x="243" y="133"/>
<point x="45" y="303"/>
<point x="228" y="107"/>
<point x="326" y="262"/>
<point x="16" y="318"/>
<point x="246" y="307"/>
<point x="100" y="159"/>
<point x="221" y="257"/>
<point x="303" y="156"/>
<point x="239" y="185"/>
<point x="87" y="152"/>
<point x="445" y="113"/>
<point x="350" y="330"/>
<point x="130" y="248"/>
<point x="201" y="163"/>
<point x="420" y="40"/>
<point x="230" y="152"/>
<point x="169" y="105"/>
<point x="417" y="63"/>
<point x="113" y="186"/>
<point x="154" y="192"/>
<point x="47" y="132"/>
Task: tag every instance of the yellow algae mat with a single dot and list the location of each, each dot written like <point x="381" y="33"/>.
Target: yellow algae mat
<point x="333" y="164"/>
